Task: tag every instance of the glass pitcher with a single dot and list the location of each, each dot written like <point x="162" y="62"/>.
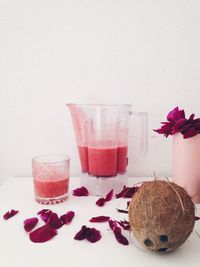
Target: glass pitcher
<point x="102" y="135"/>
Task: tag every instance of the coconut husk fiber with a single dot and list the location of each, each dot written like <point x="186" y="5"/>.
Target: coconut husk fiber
<point x="161" y="215"/>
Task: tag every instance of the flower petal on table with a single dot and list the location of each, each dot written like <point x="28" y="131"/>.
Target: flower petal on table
<point x="125" y="225"/>
<point x="42" y="234"/>
<point x="10" y="214"/>
<point x="127" y="192"/>
<point x="109" y="196"/>
<point x="119" y="237"/>
<point x="80" y="192"/>
<point x="54" y="221"/>
<point x="122" y="211"/>
<point x="100" y="202"/>
<point x="100" y="219"/>
<point x="91" y="234"/>
<point x="94" y="235"/>
<point x="81" y="234"/>
<point x="44" y="214"/>
<point x="29" y="224"/>
<point x="68" y="217"/>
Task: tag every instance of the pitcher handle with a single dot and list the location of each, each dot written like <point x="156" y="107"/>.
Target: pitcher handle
<point x="143" y="133"/>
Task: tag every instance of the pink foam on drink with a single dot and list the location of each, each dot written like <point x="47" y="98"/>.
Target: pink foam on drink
<point x="103" y="162"/>
<point x="51" y="188"/>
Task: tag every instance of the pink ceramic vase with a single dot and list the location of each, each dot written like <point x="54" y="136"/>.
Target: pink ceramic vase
<point x="186" y="164"/>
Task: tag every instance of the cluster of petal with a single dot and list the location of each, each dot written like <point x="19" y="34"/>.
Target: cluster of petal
<point x="45" y="214"/>
<point x="80" y="192"/>
<point x="177" y="123"/>
<point x="101" y="201"/>
<point x="29" y="224"/>
<point x="10" y="214"/>
<point x="52" y="223"/>
<point x="127" y="192"/>
<point x="91" y="234"/>
<point x="118" y="233"/>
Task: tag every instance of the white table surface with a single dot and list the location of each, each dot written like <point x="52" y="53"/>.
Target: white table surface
<point x="16" y="250"/>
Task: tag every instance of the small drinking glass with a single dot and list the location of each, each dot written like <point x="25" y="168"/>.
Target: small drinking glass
<point x="51" y="178"/>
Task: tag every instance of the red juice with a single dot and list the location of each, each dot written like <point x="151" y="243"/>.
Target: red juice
<point x="102" y="161"/>
<point x="83" y="155"/>
<point x="51" y="188"/>
<point x="105" y="161"/>
<point x="122" y="160"/>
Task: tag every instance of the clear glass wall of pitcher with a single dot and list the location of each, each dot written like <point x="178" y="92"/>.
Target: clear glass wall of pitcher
<point x="102" y="135"/>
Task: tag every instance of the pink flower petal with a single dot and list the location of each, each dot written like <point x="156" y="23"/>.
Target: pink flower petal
<point x="80" y="192"/>
<point x="44" y="214"/>
<point x="122" y="211"/>
<point x="100" y="202"/>
<point x="125" y="225"/>
<point x="112" y="224"/>
<point x="94" y="235"/>
<point x="119" y="237"/>
<point x="91" y="234"/>
<point x="127" y="192"/>
<point x="109" y="196"/>
<point x="10" y="214"/>
<point x="67" y="218"/>
<point x="29" y="224"/>
<point x="100" y="219"/>
<point x="54" y="221"/>
<point x="42" y="234"/>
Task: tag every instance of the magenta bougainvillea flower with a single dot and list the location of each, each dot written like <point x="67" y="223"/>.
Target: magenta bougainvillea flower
<point x="80" y="192"/>
<point x="101" y="201"/>
<point x="177" y="123"/>
<point x="99" y="219"/>
<point x="44" y="214"/>
<point x="118" y="232"/>
<point x="127" y="192"/>
<point x="91" y="234"/>
<point x="29" y="224"/>
<point x="54" y="221"/>
<point x="10" y="214"/>
<point x="42" y="234"/>
<point x="68" y="217"/>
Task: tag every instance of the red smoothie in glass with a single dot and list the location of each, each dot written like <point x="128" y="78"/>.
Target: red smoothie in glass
<point x="51" y="188"/>
<point x="103" y="162"/>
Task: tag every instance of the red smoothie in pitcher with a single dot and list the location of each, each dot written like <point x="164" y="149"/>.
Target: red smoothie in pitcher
<point x="51" y="188"/>
<point x="83" y="155"/>
<point x="105" y="162"/>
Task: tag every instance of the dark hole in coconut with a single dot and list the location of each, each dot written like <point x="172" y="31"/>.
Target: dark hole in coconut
<point x="162" y="249"/>
<point x="148" y="242"/>
<point x="163" y="238"/>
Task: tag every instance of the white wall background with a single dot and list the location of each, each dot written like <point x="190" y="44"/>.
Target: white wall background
<point x="143" y="52"/>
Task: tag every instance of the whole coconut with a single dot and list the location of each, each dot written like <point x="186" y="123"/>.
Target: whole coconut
<point x="161" y="215"/>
